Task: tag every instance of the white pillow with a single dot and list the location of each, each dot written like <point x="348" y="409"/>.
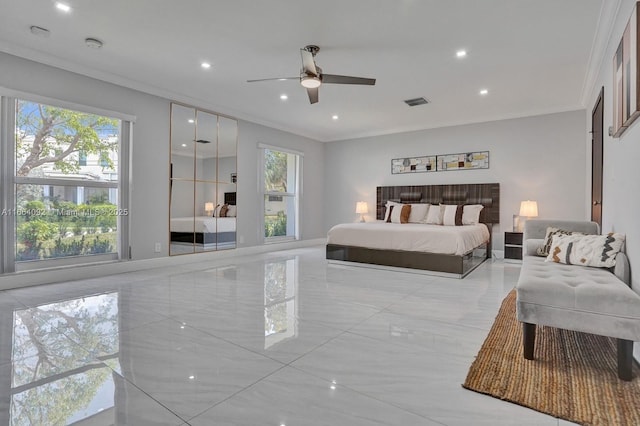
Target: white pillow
<point x="451" y="214"/>
<point x="216" y="212"/>
<point x="418" y="213"/>
<point x="232" y="211"/>
<point x="433" y="215"/>
<point x="471" y="214"/>
<point x="388" y="209"/>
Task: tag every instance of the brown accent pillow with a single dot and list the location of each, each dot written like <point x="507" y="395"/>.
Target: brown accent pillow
<point x="459" y="212"/>
<point x="404" y="214"/>
<point x="223" y="210"/>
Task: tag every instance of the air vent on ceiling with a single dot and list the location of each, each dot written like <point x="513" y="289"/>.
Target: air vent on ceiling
<point x="203" y="141"/>
<point x="416" y="102"/>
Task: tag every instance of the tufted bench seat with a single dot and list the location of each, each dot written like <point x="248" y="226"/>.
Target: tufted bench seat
<point x="586" y="299"/>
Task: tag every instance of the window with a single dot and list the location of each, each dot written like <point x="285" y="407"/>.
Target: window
<point x="281" y="186"/>
<point x="66" y="200"/>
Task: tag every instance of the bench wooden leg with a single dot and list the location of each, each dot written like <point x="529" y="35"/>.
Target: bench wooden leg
<point x="625" y="359"/>
<point x="528" y="339"/>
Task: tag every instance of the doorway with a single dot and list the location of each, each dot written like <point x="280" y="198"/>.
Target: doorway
<point x="596" y="159"/>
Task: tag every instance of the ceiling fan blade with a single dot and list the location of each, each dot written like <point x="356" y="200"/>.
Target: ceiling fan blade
<point x="308" y="64"/>
<point x="345" y="79"/>
<point x="313" y="95"/>
<point x="273" y="79"/>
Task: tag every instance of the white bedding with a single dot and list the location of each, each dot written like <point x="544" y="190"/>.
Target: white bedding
<point x="456" y="240"/>
<point x="206" y="224"/>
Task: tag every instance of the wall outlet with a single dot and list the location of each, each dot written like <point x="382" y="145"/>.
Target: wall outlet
<point x="158" y="248"/>
<point x="241" y="239"/>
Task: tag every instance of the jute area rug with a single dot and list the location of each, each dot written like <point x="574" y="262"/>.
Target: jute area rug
<point x="573" y="377"/>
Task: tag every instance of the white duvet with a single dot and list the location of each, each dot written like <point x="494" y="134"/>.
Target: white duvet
<point x="410" y="236"/>
<point x="205" y="224"/>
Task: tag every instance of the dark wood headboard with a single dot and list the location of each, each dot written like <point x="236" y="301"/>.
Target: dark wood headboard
<point x="487" y="194"/>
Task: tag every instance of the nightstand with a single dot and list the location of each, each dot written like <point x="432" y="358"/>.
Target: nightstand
<point x="513" y="246"/>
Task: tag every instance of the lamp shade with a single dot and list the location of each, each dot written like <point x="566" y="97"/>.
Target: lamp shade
<point x="208" y="207"/>
<point x="361" y="207"/>
<point x="529" y="208"/>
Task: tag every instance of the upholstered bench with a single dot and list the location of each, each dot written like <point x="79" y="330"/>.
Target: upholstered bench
<point x="579" y="298"/>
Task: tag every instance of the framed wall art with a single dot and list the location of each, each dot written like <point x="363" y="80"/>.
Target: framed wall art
<point x="413" y="164"/>
<point x="626" y="102"/>
<point x="433" y="163"/>
<point x="463" y="161"/>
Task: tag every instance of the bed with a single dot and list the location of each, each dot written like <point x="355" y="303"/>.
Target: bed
<point x="442" y="250"/>
<point x="206" y="230"/>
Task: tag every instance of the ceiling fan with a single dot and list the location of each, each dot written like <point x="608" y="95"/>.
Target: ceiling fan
<point x="311" y="75"/>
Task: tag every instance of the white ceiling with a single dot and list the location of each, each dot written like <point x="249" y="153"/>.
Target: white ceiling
<point x="532" y="56"/>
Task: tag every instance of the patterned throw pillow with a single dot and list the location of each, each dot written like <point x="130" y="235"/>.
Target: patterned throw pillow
<point x="587" y="250"/>
<point x="543" y="250"/>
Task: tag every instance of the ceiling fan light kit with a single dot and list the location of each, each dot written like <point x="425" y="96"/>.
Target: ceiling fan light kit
<point x="310" y="81"/>
<point x="312" y="77"/>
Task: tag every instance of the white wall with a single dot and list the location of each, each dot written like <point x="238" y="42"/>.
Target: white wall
<point x="313" y="171"/>
<point x="621" y="173"/>
<point x="149" y="210"/>
<point x="539" y="158"/>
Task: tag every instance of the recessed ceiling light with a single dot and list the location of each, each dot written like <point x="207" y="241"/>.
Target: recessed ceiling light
<point x="205" y="65"/>
<point x="192" y="377"/>
<point x="484" y="92"/>
<point x="184" y="145"/>
<point x="282" y="79"/>
<point x="335" y="117"/>
<point x="461" y="53"/>
<point x="191" y="120"/>
<point x="63" y="7"/>
<point x="284" y="97"/>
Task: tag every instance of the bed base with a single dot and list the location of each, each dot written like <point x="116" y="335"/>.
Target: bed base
<point x="434" y="263"/>
<point x="205" y="238"/>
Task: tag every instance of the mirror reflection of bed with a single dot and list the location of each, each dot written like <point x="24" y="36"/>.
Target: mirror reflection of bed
<point x="206" y="232"/>
<point x="203" y="175"/>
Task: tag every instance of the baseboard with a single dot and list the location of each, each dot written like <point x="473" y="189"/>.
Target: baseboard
<point x="73" y="273"/>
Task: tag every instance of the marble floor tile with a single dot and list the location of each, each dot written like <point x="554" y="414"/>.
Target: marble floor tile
<point x="283" y="339"/>
<point x="70" y="390"/>
<point x="419" y="381"/>
<point x="429" y="334"/>
<point x="185" y="369"/>
<point x="292" y="397"/>
<point x="278" y="338"/>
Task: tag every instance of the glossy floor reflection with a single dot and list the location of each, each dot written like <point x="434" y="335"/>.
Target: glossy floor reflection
<point x="276" y="339"/>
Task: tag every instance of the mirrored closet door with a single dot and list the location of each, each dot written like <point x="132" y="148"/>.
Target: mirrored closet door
<point x="202" y="181"/>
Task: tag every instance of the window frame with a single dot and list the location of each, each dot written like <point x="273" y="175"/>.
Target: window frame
<point x="8" y="264"/>
<point x="263" y="193"/>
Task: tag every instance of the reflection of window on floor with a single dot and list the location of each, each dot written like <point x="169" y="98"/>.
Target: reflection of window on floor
<point x="52" y="383"/>
<point x="280" y="289"/>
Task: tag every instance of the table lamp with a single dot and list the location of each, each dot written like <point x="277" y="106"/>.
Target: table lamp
<point x="362" y="209"/>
